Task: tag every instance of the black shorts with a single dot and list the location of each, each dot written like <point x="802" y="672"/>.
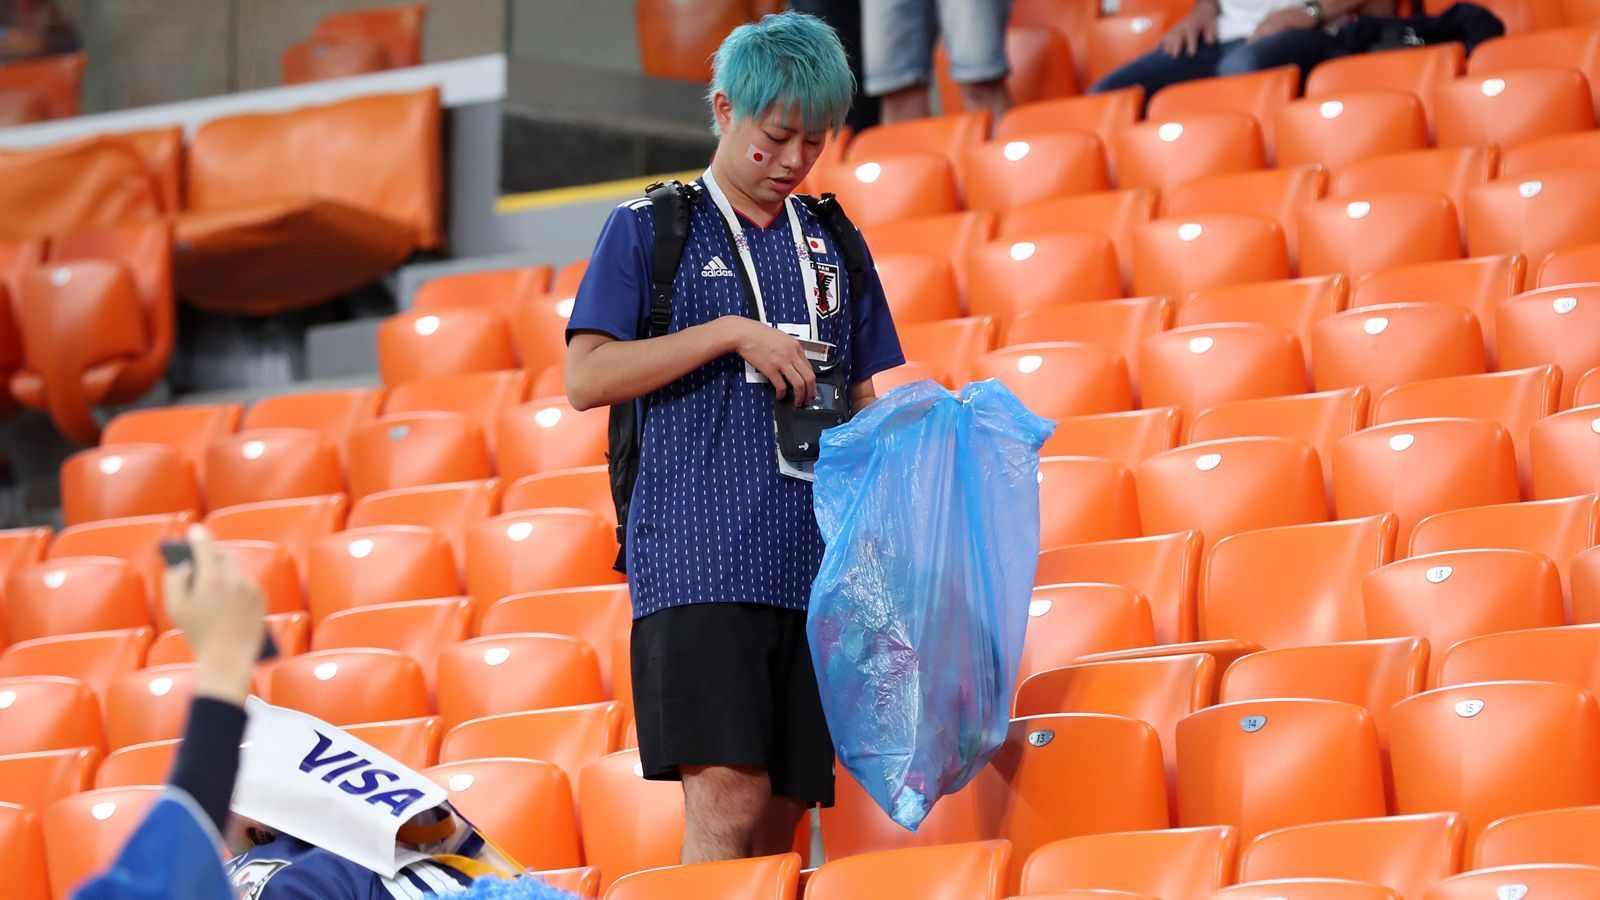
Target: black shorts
<point x="731" y="684"/>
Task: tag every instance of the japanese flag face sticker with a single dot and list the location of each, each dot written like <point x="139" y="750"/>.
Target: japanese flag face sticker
<point x="816" y="245"/>
<point x="758" y="156"/>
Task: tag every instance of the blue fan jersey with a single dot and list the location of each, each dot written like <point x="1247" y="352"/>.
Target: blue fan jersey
<point x="289" y="869"/>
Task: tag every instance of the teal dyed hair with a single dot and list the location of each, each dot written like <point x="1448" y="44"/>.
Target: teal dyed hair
<point x="788" y="61"/>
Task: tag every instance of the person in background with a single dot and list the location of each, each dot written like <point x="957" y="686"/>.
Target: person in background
<point x="899" y="37"/>
<point x="845" y="17"/>
<point x="30" y="29"/>
<point x="1232" y="37"/>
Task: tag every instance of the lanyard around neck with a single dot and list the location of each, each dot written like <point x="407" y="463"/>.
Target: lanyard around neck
<point x="808" y="273"/>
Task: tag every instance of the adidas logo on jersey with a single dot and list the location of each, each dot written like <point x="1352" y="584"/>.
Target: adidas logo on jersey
<point x="716" y="268"/>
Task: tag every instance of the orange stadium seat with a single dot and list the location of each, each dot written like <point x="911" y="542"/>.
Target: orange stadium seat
<point x="1339" y="129"/>
<point x="1058" y="380"/>
<point x="1259" y="765"/>
<point x="1070" y="17"/>
<point x="1179" y="862"/>
<point x="1548" y="881"/>
<point x="577" y="549"/>
<point x="325" y="58"/>
<point x="766" y="877"/>
<point x="126" y="480"/>
<point x="1119" y="325"/>
<point x="892" y="187"/>
<point x="1493" y="750"/>
<point x="1393" y="344"/>
<point x="83" y="185"/>
<point x="1552" y="326"/>
<point x="680" y="45"/>
<point x="134" y="540"/>
<point x="449" y="509"/>
<point x="1372" y="674"/>
<point x="526" y="803"/>
<point x="1041" y="62"/>
<point x="1167" y="153"/>
<point x="1478" y="285"/>
<point x="515" y="673"/>
<point x="1547" y="836"/>
<point x="1560" y="529"/>
<point x="592" y="614"/>
<point x="1009" y="277"/>
<point x="1164" y="568"/>
<point x="628" y="824"/>
<point x="36" y="780"/>
<point x="418" y="448"/>
<point x="138" y="764"/>
<point x="1576" y="46"/>
<point x="1307" y="889"/>
<point x="951" y="236"/>
<point x="293" y="525"/>
<point x="480" y="396"/>
<point x="920" y="287"/>
<point x="1420" y="70"/>
<point x="949" y="136"/>
<point x="350" y="687"/>
<point x="1101" y="114"/>
<point x="1574" y="264"/>
<point x="968" y="871"/>
<point x="421" y="629"/>
<point x="1129" y="438"/>
<point x="56" y="81"/>
<point x="1407" y="854"/>
<point x="190" y="430"/>
<point x="1356" y="237"/>
<point x="1067" y="621"/>
<point x="950" y="346"/>
<point x="333" y="414"/>
<point x="588" y="488"/>
<point x="412" y="742"/>
<point x="1563" y="151"/>
<point x="1004" y="175"/>
<point x="1178" y="256"/>
<point x="1563" y="654"/>
<point x="75" y="594"/>
<point x="84" y="833"/>
<point x="290" y="631"/>
<point x="1534" y="216"/>
<point x="1258" y="95"/>
<point x="1277" y="194"/>
<point x="44" y="712"/>
<point x="569" y="736"/>
<point x="1318" y="419"/>
<point x="151" y="704"/>
<point x="1296" y="304"/>
<point x="1115" y="214"/>
<point x="339" y="220"/>
<point x="583" y="881"/>
<point x="378" y="564"/>
<point x="549" y="435"/>
<point x="1117" y="40"/>
<point x="539" y="329"/>
<point x="390" y="36"/>
<point x="1200" y="366"/>
<point x="418" y="345"/>
<point x="96" y="659"/>
<point x="499" y="290"/>
<point x="1449" y="172"/>
<point x="1513" y="106"/>
<point x="1423" y="466"/>
<point x="1566" y="454"/>
<point x="1224" y="487"/>
<point x="270" y="464"/>
<point x="20" y="547"/>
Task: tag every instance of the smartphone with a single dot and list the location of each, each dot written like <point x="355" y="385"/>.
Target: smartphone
<point x="176" y="553"/>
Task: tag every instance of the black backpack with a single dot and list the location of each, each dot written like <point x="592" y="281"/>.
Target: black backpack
<point x="670" y="206"/>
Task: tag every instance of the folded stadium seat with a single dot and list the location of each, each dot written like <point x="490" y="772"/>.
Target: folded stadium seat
<point x="151" y="704"/>
<point x="1394" y="344"/>
<point x="525" y="803"/>
<point x="1419" y="70"/>
<point x="1129" y="437"/>
<point x="378" y="564"/>
<point x="1574" y="264"/>
<point x="1564" y="151"/>
<point x="1307" y="889"/>
<point x="1566" y="454"/>
<point x="1513" y="106"/>
<point x="549" y="435"/>
<point x="1424" y="466"/>
<point x="412" y="449"/>
<point x="57" y="81"/>
<point x="138" y="764"/>
<point x="1275" y="193"/>
<point x="591" y="614"/>
<point x="1178" y="862"/>
<point x="482" y="397"/>
<point x="1259" y="765"/>
<point x="291" y="632"/>
<point x="569" y="736"/>
<point x="539" y="328"/>
<point x="1258" y="95"/>
<point x="45" y="712"/>
<point x="1115" y="214"/>
<point x="678" y="43"/>
<point x="920" y="287"/>
<point x="1374" y="232"/>
<point x="1158" y="690"/>
<point x="628" y="824"/>
<point x="1296" y="304"/>
<point x="95" y="659"/>
<point x="449" y="509"/>
<point x="126" y="480"/>
<point x="1057" y="380"/>
<point x="325" y="58"/>
<point x="418" y="345"/>
<point x="1547" y="836"/>
<point x="1495" y="749"/>
<point x="1102" y="114"/>
<point x="587" y="488"/>
<point x="1516" y="399"/>
<point x="1564" y="655"/>
<point x="1010" y="276"/>
<point x="80" y="186"/>
<point x="73" y="595"/>
<point x="508" y="673"/>
<point x="970" y="871"/>
<point x="349" y="687"/>
<point x="293" y="525"/>
<point x="412" y="742"/>
<point x="949" y="136"/>
<point x="1166" y="153"/>
<point x="951" y="236"/>
<point x="1339" y="129"/>
<point x="1534" y="216"/>
<point x="1066" y="621"/>
<point x="1118" y="325"/>
<point x="1001" y="175"/>
<point x="892" y="187"/>
<point x="1318" y="419"/>
<point x="1556" y="326"/>
<point x="1576" y="45"/>
<point x="22" y="853"/>
<point x="260" y="238"/>
<point x="421" y="629"/>
<point x="333" y="414"/>
<point x="270" y="464"/>
<point x="576" y="549"/>
<point x="1221" y="488"/>
<point x="1452" y="596"/>
<point x="84" y="833"/>
<point x="774" y="877"/>
<point x="1041" y="65"/>
<point x="948" y="346"/>
<point x="356" y="43"/>
<point x="1450" y="172"/>
<point x="36" y="780"/>
<point x="1560" y="529"/>
<point x="21" y="106"/>
<point x="190" y="430"/>
<point x="1116" y="40"/>
<point x="1407" y="854"/>
<point x="1201" y="366"/>
<point x="1177" y="256"/>
<point x="1478" y="284"/>
<point x="1514" y="881"/>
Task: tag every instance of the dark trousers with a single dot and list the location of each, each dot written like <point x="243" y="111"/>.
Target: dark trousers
<point x="1155" y="70"/>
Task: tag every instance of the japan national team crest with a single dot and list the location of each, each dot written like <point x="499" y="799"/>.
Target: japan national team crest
<point x="251" y="878"/>
<point x="827" y="290"/>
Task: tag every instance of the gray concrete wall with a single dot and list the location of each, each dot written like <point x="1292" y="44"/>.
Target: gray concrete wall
<point x="593" y="33"/>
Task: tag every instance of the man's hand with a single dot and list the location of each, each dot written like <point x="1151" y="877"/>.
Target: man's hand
<point x="1193" y="31"/>
<point x="776" y="355"/>
<point x="221" y="613"/>
<point x="1292" y="18"/>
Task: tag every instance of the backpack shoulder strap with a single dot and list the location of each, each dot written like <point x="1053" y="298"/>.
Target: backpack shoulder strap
<point x="852" y="248"/>
<point x="669" y="206"/>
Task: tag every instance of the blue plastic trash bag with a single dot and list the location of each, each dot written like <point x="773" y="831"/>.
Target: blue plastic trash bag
<point x="929" y="504"/>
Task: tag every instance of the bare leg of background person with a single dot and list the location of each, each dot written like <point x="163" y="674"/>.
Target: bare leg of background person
<point x="723" y="808"/>
<point x="778" y="826"/>
<point x="991" y="95"/>
<point x="906" y="104"/>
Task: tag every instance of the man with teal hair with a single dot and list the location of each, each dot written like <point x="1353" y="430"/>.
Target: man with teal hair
<point x="721" y="542"/>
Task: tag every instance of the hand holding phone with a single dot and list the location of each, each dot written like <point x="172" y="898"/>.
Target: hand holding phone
<point x="214" y="599"/>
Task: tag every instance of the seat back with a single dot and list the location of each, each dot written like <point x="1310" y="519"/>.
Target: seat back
<point x="514" y="673"/>
<point x="628" y="824"/>
<point x="761" y="878"/>
<point x="1178" y="862"/>
<point x="48" y="712"/>
<point x="379" y="564"/>
<point x="971" y="871"/>
<point x="1547" y="836"/>
<point x="525" y="803"/>
<point x="1164" y="568"/>
<point x="1221" y="488"/>
<point x="396" y="29"/>
<point x="595" y="615"/>
<point x="1200" y="366"/>
<point x="149" y="705"/>
<point x="569" y="736"/>
<point x="84" y="833"/>
<point x="1067" y="621"/>
<point x="1559" y="529"/>
<point x="1552" y="326"/>
<point x="1420" y="467"/>
<point x="1372" y="674"/>
<point x="1058" y="380"/>
<point x="1408" y="854"/>
<point x="351" y="687"/>
<point x="1129" y="437"/>
<point x="1176" y="256"/>
<point x="414" y="449"/>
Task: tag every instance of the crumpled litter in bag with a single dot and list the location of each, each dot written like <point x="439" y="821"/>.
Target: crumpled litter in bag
<point x="929" y="505"/>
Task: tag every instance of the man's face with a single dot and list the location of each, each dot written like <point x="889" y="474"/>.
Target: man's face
<point x="771" y="155"/>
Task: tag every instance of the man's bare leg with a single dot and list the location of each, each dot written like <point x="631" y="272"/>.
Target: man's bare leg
<point x="778" y="826"/>
<point x="991" y="95"/>
<point x="906" y="104"/>
<point x="724" y="810"/>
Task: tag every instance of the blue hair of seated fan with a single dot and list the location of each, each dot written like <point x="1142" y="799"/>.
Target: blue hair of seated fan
<point x="530" y="888"/>
<point x="789" y="61"/>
